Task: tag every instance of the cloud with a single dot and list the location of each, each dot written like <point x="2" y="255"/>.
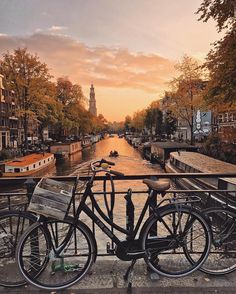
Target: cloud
<point x="57" y="28"/>
<point x="104" y="66"/>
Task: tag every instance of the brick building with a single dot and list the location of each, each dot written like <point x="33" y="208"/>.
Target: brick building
<point x="11" y="130"/>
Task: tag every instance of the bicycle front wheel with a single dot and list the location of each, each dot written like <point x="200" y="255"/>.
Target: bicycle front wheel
<point x="167" y="238"/>
<point x="13" y="224"/>
<point x="222" y="257"/>
<point x="38" y="259"/>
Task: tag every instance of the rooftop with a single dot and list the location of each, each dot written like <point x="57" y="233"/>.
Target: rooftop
<point x="28" y="159"/>
<point x="204" y="163"/>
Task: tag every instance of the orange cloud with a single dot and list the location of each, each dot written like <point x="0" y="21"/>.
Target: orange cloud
<point x="116" y="69"/>
<point x="111" y="67"/>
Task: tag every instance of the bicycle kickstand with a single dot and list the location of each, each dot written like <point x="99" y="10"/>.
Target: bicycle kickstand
<point x="129" y="276"/>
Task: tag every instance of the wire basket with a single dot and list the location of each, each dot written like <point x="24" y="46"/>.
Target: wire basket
<point x="51" y="198"/>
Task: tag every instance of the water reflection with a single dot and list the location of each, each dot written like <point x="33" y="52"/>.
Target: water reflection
<point x="129" y="162"/>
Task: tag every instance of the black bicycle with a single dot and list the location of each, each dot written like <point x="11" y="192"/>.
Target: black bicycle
<point x="174" y="240"/>
<point x="222" y="256"/>
<point x="13" y="223"/>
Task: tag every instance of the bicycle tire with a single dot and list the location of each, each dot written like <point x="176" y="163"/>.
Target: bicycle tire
<point x="222" y="257"/>
<point x="47" y="271"/>
<point x="13" y="223"/>
<point x="170" y="260"/>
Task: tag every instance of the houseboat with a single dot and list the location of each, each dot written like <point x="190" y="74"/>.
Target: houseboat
<point x="65" y="149"/>
<point x="27" y="165"/>
<point x="193" y="162"/>
<point x="160" y="151"/>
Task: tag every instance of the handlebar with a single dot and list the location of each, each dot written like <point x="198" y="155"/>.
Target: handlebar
<point x="98" y="166"/>
<point x="108" y="162"/>
<point x="116" y="173"/>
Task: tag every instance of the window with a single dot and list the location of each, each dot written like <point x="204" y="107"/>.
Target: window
<point x="231" y="117"/>
<point x="34" y="165"/>
<point x="220" y="118"/>
<point x="226" y="117"/>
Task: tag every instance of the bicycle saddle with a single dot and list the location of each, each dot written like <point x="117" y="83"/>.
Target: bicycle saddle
<point x="159" y="185"/>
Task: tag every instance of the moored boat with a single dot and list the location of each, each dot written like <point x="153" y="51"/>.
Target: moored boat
<point x="66" y="148"/>
<point x="28" y="165"/>
<point x="160" y="151"/>
<point x="194" y="162"/>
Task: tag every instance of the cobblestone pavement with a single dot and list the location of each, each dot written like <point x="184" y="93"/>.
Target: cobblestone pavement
<point x="107" y="277"/>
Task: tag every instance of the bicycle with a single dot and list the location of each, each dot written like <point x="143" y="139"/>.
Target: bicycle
<point x="12" y="225"/>
<point x="55" y="254"/>
<point x="222" y="257"/>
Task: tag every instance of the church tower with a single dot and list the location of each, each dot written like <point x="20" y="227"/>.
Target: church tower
<point x="92" y="102"/>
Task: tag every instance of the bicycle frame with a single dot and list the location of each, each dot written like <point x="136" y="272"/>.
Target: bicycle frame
<point x="103" y="221"/>
<point x="122" y="246"/>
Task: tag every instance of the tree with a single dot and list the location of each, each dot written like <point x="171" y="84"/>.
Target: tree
<point x="29" y="78"/>
<point x="99" y="123"/>
<point x="186" y="95"/>
<point x="169" y="124"/>
<point x="138" y="120"/>
<point x="223" y="12"/>
<point x="154" y="118"/>
<point x="127" y="123"/>
<point x="73" y="111"/>
<point x="221" y="62"/>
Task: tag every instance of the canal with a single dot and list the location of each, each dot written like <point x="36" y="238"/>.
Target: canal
<point x="129" y="161"/>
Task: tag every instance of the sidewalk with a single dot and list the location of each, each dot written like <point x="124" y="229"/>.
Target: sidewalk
<point x="107" y="277"/>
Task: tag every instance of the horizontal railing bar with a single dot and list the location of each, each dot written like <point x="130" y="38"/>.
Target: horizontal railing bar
<point x="125" y="177"/>
<point x="134" y="192"/>
<point x="10" y="194"/>
<point x="168" y="191"/>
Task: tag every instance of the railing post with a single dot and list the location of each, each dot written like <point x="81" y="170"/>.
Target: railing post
<point x="34" y="238"/>
<point x="153" y="275"/>
<point x="30" y="185"/>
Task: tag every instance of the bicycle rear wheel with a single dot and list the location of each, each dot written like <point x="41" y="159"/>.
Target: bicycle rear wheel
<point x="12" y="225"/>
<point x="166" y="238"/>
<point x="39" y="263"/>
<point x="222" y="257"/>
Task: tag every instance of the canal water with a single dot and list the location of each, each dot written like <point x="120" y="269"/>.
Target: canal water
<point x="129" y="161"/>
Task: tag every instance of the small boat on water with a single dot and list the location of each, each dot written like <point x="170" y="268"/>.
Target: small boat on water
<point x="27" y="165"/>
<point x="114" y="154"/>
<point x="194" y="162"/>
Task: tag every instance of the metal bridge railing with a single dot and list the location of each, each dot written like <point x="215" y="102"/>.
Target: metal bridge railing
<point x="210" y="197"/>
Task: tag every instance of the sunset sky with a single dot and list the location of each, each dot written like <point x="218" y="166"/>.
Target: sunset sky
<point x="126" y="48"/>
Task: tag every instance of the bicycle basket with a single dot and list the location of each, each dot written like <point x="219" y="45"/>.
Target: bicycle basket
<point x="51" y="198"/>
